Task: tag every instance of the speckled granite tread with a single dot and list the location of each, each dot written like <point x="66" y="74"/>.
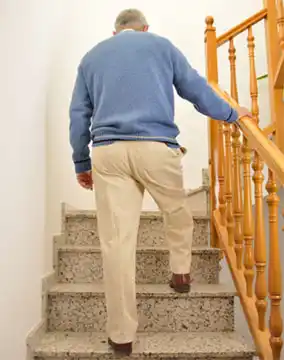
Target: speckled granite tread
<point x="85" y="346"/>
<point x="81" y="308"/>
<point x="83" y="264"/>
<point x="81" y="229"/>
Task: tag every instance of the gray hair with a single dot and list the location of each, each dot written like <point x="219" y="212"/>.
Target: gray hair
<point x="130" y="18"/>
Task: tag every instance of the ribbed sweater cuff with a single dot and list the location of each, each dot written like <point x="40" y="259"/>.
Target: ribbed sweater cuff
<point x="83" y="166"/>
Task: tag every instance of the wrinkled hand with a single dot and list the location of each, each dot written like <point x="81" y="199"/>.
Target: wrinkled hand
<point x="242" y="111"/>
<point x="85" y="180"/>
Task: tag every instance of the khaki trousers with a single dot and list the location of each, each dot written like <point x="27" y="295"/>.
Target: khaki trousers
<point x="121" y="172"/>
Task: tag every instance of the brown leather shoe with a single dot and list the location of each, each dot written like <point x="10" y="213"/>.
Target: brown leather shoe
<point x="181" y="283"/>
<point x="122" y="349"/>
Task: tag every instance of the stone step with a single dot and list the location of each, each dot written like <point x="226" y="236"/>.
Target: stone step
<point x="154" y="346"/>
<point x="81" y="308"/>
<point x="81" y="229"/>
<point x="83" y="264"/>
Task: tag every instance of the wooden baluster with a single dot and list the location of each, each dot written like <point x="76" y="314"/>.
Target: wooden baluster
<point x="228" y="165"/>
<point x="253" y="80"/>
<point x="260" y="246"/>
<point x="213" y="126"/>
<point x="236" y="144"/>
<point x="280" y="22"/>
<point x="248" y="220"/>
<point x="216" y="136"/>
<point x="221" y="174"/>
<point x="233" y="75"/>
<point x="275" y="280"/>
<point x="228" y="133"/>
<point x="238" y="206"/>
<point x="228" y="183"/>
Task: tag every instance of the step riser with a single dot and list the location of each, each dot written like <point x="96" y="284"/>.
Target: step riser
<point x="83" y="231"/>
<point x="152" y="267"/>
<point x="86" y="313"/>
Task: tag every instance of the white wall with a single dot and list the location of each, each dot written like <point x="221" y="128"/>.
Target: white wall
<point x="87" y="22"/>
<point x="26" y="28"/>
<point x="264" y="107"/>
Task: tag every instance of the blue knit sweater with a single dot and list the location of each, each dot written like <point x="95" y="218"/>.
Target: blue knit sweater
<point x="125" y="91"/>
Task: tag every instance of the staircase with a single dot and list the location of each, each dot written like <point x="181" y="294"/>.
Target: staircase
<point x="199" y="325"/>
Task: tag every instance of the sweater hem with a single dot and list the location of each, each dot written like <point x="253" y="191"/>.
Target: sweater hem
<point x="111" y="138"/>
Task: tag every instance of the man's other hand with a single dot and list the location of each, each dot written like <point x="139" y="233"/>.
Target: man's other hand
<point x="85" y="180"/>
<point x="242" y="111"/>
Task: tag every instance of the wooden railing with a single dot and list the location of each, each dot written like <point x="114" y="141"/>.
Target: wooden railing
<point x="246" y="249"/>
<point x="237" y="155"/>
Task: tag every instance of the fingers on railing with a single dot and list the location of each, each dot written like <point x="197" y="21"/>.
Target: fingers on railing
<point x="274" y="279"/>
<point x="280" y="22"/>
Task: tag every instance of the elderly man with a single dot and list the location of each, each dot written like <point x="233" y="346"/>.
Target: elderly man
<point x="123" y="101"/>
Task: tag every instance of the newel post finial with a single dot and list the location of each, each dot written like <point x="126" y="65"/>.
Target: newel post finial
<point x="209" y="21"/>
<point x="210" y="28"/>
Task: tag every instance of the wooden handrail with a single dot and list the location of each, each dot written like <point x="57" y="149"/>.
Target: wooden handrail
<point x="238" y="29"/>
<point x="268" y="151"/>
<point x="269" y="130"/>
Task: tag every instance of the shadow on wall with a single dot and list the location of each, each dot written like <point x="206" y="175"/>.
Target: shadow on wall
<point x="225" y="275"/>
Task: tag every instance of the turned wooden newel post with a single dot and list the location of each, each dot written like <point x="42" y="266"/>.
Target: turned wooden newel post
<point x="212" y="75"/>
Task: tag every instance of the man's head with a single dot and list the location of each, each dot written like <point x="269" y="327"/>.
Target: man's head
<point x="130" y="19"/>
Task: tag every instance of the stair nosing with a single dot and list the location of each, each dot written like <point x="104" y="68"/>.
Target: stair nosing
<point x="144" y="215"/>
<point x="140" y="249"/>
<point x="145" y="290"/>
